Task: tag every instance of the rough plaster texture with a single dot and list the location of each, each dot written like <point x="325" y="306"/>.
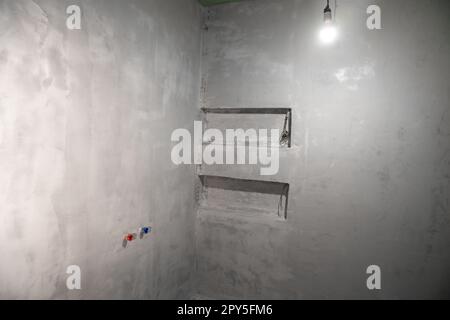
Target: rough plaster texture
<point x="369" y="171"/>
<point x="85" y="124"/>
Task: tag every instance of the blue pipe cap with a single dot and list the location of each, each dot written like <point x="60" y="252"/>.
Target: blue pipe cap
<point x="146" y="230"/>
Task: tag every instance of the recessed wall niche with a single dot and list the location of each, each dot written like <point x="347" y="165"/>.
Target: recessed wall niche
<point x="242" y="197"/>
<point x="252" y="118"/>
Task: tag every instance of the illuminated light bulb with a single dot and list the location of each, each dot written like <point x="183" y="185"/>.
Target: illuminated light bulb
<point x="328" y="34"/>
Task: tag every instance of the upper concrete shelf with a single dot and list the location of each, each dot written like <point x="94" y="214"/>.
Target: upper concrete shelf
<point x="248" y="110"/>
<point x="256" y="118"/>
<point x="207" y="3"/>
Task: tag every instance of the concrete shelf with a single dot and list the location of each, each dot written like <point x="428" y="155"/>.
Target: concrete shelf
<point x="243" y="197"/>
<point x="247" y="110"/>
<point x="251" y="118"/>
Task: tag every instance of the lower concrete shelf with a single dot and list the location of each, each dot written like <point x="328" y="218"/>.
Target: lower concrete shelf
<point x="242" y="197"/>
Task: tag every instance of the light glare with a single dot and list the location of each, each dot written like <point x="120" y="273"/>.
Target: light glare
<point x="328" y="34"/>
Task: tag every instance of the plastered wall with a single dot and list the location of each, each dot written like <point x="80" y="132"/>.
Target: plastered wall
<point x="370" y="163"/>
<point x="85" y="123"/>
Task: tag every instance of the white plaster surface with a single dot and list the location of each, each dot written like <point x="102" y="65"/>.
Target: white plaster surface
<point x="369" y="171"/>
<point x="85" y="124"/>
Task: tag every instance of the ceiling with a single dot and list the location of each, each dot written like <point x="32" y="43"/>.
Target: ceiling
<point x="215" y="2"/>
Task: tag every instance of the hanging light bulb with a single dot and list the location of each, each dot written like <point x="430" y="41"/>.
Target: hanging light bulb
<point x="328" y="34"/>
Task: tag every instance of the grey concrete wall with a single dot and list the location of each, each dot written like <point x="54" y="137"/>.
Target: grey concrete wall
<point x="85" y="124"/>
<point x="369" y="171"/>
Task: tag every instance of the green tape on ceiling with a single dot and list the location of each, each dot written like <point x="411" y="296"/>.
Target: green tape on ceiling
<point x="215" y="2"/>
